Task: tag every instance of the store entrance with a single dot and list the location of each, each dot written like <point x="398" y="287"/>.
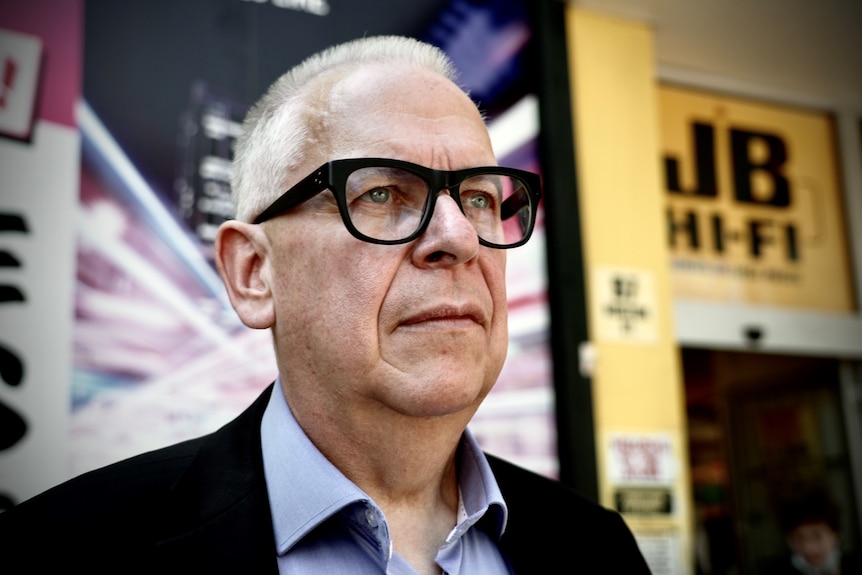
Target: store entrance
<point x="763" y="429"/>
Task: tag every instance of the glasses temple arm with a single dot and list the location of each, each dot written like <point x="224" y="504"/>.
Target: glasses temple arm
<point x="304" y="190"/>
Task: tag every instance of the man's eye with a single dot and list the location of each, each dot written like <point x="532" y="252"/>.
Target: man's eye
<point x="378" y="195"/>
<point x="479" y="201"/>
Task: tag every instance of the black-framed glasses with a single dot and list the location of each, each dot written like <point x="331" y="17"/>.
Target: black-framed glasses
<point x="385" y="201"/>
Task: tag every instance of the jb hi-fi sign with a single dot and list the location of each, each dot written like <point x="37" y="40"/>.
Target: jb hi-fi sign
<point x="754" y="208"/>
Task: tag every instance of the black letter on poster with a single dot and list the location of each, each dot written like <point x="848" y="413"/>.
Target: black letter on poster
<point x="704" y="163"/>
<point x="12" y="425"/>
<point x="743" y="166"/>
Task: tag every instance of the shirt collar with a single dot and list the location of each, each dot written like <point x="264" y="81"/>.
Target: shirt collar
<point x="292" y="465"/>
<point x="480" y="496"/>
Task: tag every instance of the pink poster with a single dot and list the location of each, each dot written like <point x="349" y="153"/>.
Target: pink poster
<point x="41" y="46"/>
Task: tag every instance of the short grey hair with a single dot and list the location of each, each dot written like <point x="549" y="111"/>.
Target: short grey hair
<point x="283" y="125"/>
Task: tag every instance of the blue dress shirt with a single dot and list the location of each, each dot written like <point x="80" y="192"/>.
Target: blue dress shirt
<point x="323" y="522"/>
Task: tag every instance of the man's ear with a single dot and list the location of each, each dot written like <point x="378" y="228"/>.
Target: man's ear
<point x="242" y="258"/>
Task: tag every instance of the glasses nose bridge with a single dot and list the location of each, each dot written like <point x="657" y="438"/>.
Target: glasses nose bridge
<point x="447" y="187"/>
<point x="440" y="181"/>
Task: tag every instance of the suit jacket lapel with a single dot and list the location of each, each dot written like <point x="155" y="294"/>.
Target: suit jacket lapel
<point x="220" y="505"/>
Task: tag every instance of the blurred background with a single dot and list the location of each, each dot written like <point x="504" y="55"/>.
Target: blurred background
<point x="686" y="338"/>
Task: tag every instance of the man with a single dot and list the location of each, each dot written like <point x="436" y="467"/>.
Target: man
<point x="370" y="237"/>
<point x="811" y="524"/>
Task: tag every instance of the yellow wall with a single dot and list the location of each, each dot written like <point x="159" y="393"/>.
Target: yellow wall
<point x="637" y="383"/>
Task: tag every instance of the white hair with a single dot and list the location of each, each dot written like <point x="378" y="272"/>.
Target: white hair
<point x="286" y="121"/>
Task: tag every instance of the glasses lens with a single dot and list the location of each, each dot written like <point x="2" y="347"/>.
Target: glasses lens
<point x="499" y="206"/>
<point x="385" y="203"/>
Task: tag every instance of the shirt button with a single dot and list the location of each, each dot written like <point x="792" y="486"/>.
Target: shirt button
<point x="371" y="517"/>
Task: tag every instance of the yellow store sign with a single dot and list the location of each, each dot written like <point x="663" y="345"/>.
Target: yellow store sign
<point x="754" y="205"/>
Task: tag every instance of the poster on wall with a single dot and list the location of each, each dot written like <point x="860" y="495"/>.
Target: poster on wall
<point x="158" y="353"/>
<point x="754" y="203"/>
<point x="642" y="473"/>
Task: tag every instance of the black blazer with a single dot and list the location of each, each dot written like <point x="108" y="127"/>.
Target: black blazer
<point x="201" y="506"/>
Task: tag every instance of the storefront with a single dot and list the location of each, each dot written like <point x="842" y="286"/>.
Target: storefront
<point x="756" y="218"/>
<point x="721" y="226"/>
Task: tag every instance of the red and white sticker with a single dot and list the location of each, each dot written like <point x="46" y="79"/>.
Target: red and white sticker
<point x="20" y="59"/>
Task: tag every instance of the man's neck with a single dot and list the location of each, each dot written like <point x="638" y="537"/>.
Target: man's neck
<point x="407" y="465"/>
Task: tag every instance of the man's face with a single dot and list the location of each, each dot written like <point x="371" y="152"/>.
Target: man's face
<point x="814" y="541"/>
<point x="417" y="328"/>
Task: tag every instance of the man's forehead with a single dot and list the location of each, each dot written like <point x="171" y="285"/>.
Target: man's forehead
<point x="399" y="84"/>
<point x="395" y="110"/>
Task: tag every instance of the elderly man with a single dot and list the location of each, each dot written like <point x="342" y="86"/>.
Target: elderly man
<point x="370" y="237"/>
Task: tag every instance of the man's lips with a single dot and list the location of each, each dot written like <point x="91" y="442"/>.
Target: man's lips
<point x="446" y="314"/>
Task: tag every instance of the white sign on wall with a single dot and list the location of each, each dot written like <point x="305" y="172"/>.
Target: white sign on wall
<point x="641" y="470"/>
<point x="39" y="177"/>
<point x="662" y="552"/>
<point x="641" y="459"/>
<point x="625" y="305"/>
